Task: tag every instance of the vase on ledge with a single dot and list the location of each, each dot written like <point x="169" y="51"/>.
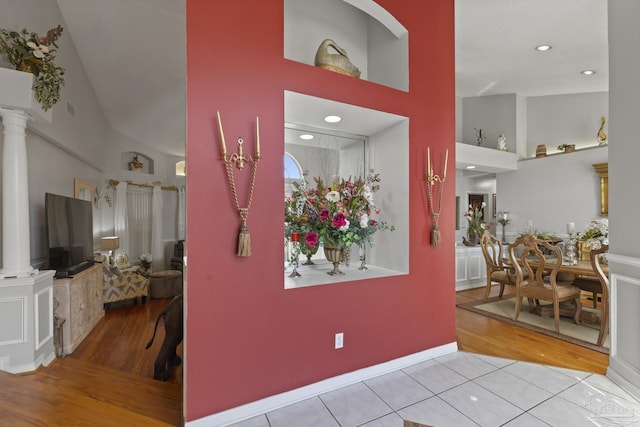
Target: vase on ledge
<point x="333" y="252"/>
<point x="309" y="252"/>
<point x="472" y="241"/>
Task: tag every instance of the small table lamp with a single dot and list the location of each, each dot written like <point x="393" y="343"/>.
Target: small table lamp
<point x="110" y="244"/>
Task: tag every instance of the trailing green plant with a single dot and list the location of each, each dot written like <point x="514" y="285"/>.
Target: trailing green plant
<point x="29" y="52"/>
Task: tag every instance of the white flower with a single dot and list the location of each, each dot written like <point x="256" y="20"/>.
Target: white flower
<point x="38" y="50"/>
<point x="345" y="227"/>
<point x="368" y="195"/>
<point x="364" y="221"/>
<point x="333" y="196"/>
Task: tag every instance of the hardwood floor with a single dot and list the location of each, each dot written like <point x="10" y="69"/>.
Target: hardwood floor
<point x="107" y="381"/>
<point x="479" y="334"/>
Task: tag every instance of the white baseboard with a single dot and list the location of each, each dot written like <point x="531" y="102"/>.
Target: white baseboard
<point x="271" y="403"/>
<point x="624" y="375"/>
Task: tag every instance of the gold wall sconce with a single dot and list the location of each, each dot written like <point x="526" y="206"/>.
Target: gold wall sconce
<point x="430" y="180"/>
<point x="240" y="159"/>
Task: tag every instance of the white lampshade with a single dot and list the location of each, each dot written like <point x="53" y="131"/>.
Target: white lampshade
<point x="109" y="243"/>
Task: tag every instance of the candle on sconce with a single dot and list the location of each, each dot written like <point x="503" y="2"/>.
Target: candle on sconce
<point x="429" y="174"/>
<point x="257" y="137"/>
<point x="571" y="227"/>
<point x="223" y="146"/>
<point x="504" y="215"/>
<point x="446" y="160"/>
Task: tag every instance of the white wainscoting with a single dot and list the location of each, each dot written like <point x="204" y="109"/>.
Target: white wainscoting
<point x="12" y="315"/>
<point x="624" y="360"/>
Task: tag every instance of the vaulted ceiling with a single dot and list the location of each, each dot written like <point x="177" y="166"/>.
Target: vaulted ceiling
<point x="133" y="52"/>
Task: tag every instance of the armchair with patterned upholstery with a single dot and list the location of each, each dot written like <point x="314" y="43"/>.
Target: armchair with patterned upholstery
<point x="118" y="285"/>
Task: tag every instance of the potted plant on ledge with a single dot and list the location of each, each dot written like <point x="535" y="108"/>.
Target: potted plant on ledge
<point x="31" y="53"/>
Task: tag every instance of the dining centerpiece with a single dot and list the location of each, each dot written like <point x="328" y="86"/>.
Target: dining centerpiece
<point x="593" y="237"/>
<point x="337" y="214"/>
<point x="29" y="52"/>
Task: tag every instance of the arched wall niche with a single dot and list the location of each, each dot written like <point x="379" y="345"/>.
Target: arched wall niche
<point x="375" y="41"/>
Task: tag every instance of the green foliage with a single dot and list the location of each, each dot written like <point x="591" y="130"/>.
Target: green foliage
<point x="339" y="213"/>
<point x="26" y="48"/>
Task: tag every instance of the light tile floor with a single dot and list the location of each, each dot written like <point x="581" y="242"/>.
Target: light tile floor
<point x="465" y="389"/>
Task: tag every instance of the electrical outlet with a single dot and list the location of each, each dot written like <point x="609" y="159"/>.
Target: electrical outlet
<point x="340" y="340"/>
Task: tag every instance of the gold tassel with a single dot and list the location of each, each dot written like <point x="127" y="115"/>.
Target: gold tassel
<point x="244" y="241"/>
<point x="435" y="236"/>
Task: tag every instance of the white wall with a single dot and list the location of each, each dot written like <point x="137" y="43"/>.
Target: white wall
<point x="75" y="146"/>
<point x="565" y="119"/>
<point x="72" y="146"/>
<point x="624" y="203"/>
<point x="85" y="132"/>
<point x="495" y="115"/>
<point x="549" y="192"/>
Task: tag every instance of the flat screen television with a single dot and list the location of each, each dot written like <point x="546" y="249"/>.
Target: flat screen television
<point x="69" y="230"/>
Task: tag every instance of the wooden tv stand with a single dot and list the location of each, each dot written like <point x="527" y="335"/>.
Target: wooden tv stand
<point x="78" y="300"/>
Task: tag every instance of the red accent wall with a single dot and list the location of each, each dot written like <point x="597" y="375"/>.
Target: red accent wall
<point x="247" y="337"/>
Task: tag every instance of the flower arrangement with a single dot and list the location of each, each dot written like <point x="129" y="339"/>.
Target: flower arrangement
<point x="135" y="163"/>
<point x="145" y="264"/>
<point x="29" y="52"/>
<point x="340" y="213"/>
<point x="597" y="234"/>
<point x="476" y="224"/>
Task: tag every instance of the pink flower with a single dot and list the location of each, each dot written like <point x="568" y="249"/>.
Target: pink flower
<point x="339" y="220"/>
<point x="324" y="215"/>
<point x="311" y="239"/>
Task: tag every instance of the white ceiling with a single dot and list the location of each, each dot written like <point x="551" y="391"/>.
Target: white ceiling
<point x="496" y="40"/>
<point x="134" y="55"/>
<point x="133" y="52"/>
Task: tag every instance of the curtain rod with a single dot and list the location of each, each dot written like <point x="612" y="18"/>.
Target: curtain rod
<point x="113" y="183"/>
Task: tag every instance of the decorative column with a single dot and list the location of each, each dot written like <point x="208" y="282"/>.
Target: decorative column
<point x="26" y="295"/>
<point x="16" y="247"/>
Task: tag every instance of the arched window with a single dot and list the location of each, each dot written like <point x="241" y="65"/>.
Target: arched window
<point x="292" y="169"/>
<point x="292" y="173"/>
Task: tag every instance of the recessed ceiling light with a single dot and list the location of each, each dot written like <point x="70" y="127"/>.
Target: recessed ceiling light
<point x="588" y="72"/>
<point x="306" y="136"/>
<point x="471" y="167"/>
<point x="543" y="47"/>
<point x="332" y="119"/>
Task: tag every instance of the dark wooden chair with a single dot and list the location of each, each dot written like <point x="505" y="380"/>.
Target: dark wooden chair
<point x="497" y="270"/>
<point x="534" y="283"/>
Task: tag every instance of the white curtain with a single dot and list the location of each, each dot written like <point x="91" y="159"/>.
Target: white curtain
<point x="182" y="209"/>
<point x="140" y="205"/>
<point x="157" y="238"/>
<point x="120" y="217"/>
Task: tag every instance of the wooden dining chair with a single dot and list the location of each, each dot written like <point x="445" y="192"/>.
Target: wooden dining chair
<point x="539" y="283"/>
<point x="497" y="270"/>
<point x="594" y="256"/>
